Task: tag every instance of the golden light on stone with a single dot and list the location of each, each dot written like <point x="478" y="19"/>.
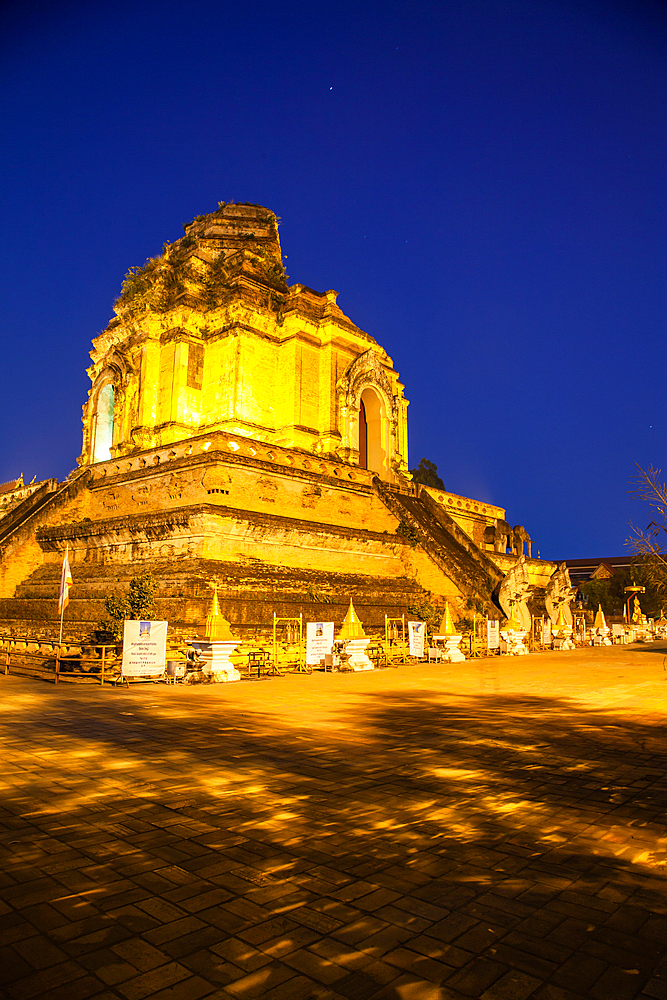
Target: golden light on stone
<point x="600" y="621"/>
<point x="218" y="387"/>
<point x="302" y="363"/>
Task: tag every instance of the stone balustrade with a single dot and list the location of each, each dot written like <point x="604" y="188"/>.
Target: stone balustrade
<point x="231" y="444"/>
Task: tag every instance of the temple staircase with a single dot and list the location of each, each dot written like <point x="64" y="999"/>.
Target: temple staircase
<point x="471" y="569"/>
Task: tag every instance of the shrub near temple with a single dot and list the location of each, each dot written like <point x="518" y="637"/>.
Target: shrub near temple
<point x="136" y="606"/>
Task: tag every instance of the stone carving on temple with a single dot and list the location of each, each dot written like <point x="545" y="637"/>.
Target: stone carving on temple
<point x="515" y="591"/>
<point x="559" y="595"/>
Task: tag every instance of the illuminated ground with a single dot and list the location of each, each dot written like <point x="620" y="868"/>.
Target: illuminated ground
<point x="493" y="829"/>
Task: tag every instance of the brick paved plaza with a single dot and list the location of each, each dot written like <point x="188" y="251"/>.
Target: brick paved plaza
<point x="493" y="829"/>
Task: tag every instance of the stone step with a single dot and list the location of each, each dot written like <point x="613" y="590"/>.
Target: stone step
<point x="245" y="610"/>
<point x="248" y="595"/>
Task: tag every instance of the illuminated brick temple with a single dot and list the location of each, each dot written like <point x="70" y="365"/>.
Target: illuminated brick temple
<point x="245" y="431"/>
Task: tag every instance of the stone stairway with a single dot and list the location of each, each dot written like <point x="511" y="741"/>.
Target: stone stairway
<point x="471" y="569"/>
<point x="18" y="515"/>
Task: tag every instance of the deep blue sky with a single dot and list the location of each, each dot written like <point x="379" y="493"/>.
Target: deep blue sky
<point x="483" y="182"/>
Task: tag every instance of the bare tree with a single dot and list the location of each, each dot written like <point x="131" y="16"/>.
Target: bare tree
<point x="650" y="543"/>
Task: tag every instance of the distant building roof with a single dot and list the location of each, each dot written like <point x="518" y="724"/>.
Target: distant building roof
<point x="601" y="569"/>
<point x="13" y="484"/>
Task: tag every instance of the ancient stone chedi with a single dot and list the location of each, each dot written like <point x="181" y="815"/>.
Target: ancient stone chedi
<point x="244" y="432"/>
<point x="209" y="337"/>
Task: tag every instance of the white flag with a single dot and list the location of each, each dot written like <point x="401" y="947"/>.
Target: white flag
<point x="65" y="584"/>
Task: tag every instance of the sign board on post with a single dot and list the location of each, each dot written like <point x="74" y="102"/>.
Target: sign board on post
<point x="417" y="634"/>
<point x="546" y="632"/>
<point x="492" y="634"/>
<point x="319" y="641"/>
<point x="144" y="648"/>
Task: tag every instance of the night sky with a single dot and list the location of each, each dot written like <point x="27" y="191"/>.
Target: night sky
<point x="482" y="181"/>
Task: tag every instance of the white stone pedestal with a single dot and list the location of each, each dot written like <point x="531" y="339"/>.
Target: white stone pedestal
<point x="513" y="642"/>
<point x="601" y="636"/>
<point x="356" y="650"/>
<point x="562" y="639"/>
<point x="217" y="666"/>
<point x="451" y="652"/>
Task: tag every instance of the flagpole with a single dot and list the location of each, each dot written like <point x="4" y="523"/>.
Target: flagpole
<point x="60" y="640"/>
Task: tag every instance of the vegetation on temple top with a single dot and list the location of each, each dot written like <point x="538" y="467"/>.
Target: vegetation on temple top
<point x="266" y="215"/>
<point x="158" y="284"/>
<point x="426" y="474"/>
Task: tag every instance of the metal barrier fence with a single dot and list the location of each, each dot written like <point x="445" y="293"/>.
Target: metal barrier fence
<point x="59" y="661"/>
<point x="101" y="664"/>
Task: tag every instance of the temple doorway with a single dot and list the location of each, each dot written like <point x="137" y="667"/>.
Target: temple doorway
<point x="370" y="431"/>
<point x="363" y="436"/>
<point x="104" y="424"/>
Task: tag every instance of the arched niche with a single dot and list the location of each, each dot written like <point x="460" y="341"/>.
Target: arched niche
<point x="363" y="437"/>
<point x="372" y="413"/>
<point x="371" y="452"/>
<point x="103" y="421"/>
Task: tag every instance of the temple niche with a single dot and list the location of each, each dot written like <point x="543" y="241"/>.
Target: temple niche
<point x="209" y="337"/>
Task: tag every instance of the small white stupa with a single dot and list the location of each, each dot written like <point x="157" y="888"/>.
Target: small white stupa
<point x="601" y="629"/>
<point x="355" y="639"/>
<point x="216" y="645"/>
<point x="562" y="632"/>
<point x="450" y="637"/>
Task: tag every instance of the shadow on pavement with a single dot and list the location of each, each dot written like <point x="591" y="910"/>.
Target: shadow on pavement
<point x="499" y="822"/>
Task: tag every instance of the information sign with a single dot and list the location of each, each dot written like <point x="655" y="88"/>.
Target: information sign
<point x="144" y="648"/>
<point x="546" y="632"/>
<point x="319" y="641"/>
<point x="417" y="634"/>
<point x="492" y="634"/>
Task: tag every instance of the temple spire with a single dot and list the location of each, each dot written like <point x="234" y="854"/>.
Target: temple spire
<point x="447" y="626"/>
<point x="216" y="627"/>
<point x="352" y="627"/>
<point x="562" y="620"/>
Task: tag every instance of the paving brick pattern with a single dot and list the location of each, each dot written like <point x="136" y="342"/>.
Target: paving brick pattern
<point x="493" y="830"/>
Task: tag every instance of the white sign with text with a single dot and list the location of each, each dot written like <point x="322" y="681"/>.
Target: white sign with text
<point x="319" y="641"/>
<point x="416" y="635"/>
<point x="492" y="634"/>
<point x="144" y="648"/>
